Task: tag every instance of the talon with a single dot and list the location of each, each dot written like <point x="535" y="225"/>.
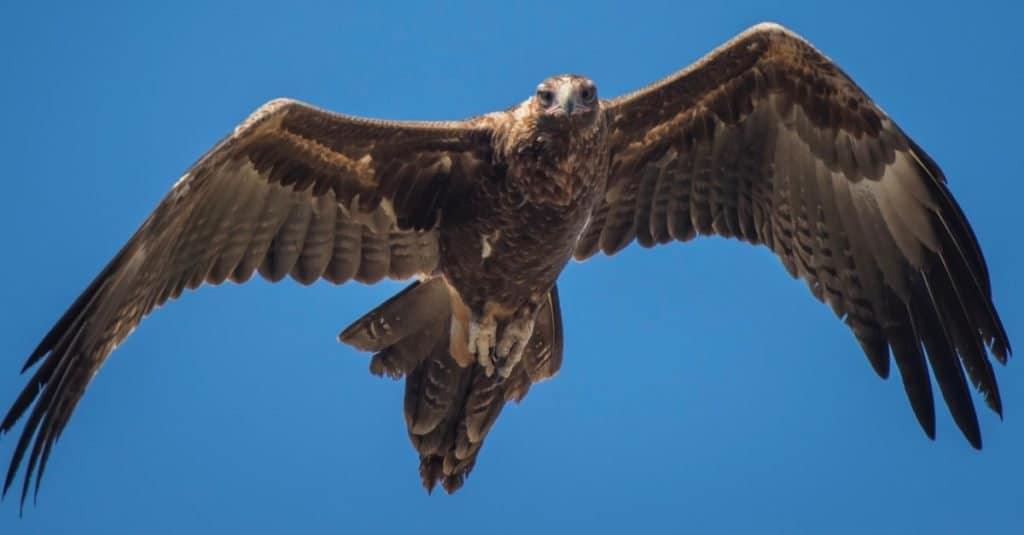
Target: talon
<point x="514" y="356"/>
<point x="482" y="336"/>
<point x="513" y="342"/>
<point x="499" y="355"/>
<point x="506" y="370"/>
<point x="504" y="347"/>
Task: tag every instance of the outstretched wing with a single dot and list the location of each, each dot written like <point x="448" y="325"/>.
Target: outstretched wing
<point x="767" y="141"/>
<point x="294" y="190"/>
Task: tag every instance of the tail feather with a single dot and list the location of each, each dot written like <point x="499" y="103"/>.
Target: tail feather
<point x="449" y="407"/>
<point x="543" y="356"/>
<point x="402" y="358"/>
<point x="407" y="312"/>
<point x="433" y="390"/>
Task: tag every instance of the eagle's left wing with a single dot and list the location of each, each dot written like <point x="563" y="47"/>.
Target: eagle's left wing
<point x="767" y="141"/>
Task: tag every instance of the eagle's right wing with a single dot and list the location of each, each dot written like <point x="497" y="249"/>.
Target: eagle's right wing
<point x="294" y="190"/>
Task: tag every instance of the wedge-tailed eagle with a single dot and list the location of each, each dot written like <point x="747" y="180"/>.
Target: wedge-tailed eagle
<point x="764" y="140"/>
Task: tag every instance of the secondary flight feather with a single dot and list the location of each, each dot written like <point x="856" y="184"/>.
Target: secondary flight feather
<point x="764" y="140"/>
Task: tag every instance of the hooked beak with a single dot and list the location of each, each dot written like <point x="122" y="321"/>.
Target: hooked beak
<point x="565" y="99"/>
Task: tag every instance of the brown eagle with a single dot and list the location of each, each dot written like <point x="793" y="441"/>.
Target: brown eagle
<point x="765" y="140"/>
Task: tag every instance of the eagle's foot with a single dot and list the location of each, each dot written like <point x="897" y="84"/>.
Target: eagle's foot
<point x="514" y="338"/>
<point x="482" y="337"/>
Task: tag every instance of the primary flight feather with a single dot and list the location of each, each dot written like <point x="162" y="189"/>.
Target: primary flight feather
<point x="765" y="140"/>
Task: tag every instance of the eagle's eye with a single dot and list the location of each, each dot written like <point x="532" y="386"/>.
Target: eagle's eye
<point x="588" y="94"/>
<point x="545" y="97"/>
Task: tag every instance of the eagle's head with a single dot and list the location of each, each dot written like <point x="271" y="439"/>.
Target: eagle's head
<point x="568" y="99"/>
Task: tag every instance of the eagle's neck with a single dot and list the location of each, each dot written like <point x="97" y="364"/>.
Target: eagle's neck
<point x="553" y="166"/>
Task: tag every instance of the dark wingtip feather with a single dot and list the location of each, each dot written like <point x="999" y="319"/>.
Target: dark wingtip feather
<point x="947" y="367"/>
<point x="48" y="393"/>
<point x="11" y="470"/>
<point x="929" y="430"/>
<point x="995" y="403"/>
<point x="970" y="428"/>
<point x="30" y="431"/>
<point x="39" y="352"/>
<point x="910" y="360"/>
<point x="22" y="403"/>
<point x="1000" y="349"/>
<point x="74" y="313"/>
<point x="877" y="352"/>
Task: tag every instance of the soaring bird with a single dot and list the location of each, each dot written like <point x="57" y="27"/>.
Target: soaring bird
<point x="764" y="140"/>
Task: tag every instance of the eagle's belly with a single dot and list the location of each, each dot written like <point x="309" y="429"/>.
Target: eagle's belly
<point x="512" y="254"/>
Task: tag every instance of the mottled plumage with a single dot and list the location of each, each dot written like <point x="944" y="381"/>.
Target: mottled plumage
<point x="764" y="140"/>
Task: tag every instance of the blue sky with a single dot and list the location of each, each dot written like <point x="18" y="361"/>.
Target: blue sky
<point x="703" y="390"/>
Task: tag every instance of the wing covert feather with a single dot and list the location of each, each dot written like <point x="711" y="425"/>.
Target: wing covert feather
<point x="767" y="141"/>
<point x="294" y="190"/>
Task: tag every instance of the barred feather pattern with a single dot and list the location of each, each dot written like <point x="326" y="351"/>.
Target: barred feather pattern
<point x="293" y="191"/>
<point x="767" y="141"/>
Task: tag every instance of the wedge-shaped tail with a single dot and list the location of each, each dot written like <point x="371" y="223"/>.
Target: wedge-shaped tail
<point x="450" y="404"/>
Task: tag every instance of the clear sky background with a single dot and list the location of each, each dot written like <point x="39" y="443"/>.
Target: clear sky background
<point x="703" y="390"/>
